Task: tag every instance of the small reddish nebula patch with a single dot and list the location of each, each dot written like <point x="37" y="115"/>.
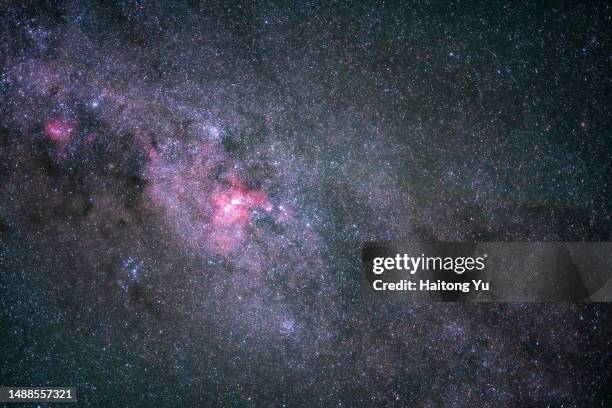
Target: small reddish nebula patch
<point x="60" y="130"/>
<point x="210" y="212"/>
<point x="232" y="209"/>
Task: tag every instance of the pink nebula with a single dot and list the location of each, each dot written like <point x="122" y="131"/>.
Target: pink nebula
<point x="232" y="212"/>
<point x="60" y="130"/>
<point x="211" y="213"/>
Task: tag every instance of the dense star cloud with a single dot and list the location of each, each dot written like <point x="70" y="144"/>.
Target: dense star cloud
<point x="185" y="188"/>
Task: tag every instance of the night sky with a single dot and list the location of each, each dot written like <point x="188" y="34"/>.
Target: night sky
<point x="185" y="189"/>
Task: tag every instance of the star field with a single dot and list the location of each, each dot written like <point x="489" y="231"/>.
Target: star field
<point x="185" y="189"/>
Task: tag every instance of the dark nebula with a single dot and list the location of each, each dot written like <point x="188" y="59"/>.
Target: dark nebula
<point x="185" y="188"/>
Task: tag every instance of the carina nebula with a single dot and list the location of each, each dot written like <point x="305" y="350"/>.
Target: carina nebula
<point x="203" y="195"/>
<point x="185" y="189"/>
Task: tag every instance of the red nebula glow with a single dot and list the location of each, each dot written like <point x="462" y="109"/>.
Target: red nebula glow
<point x="60" y="131"/>
<point x="232" y="208"/>
<point x="211" y="212"/>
